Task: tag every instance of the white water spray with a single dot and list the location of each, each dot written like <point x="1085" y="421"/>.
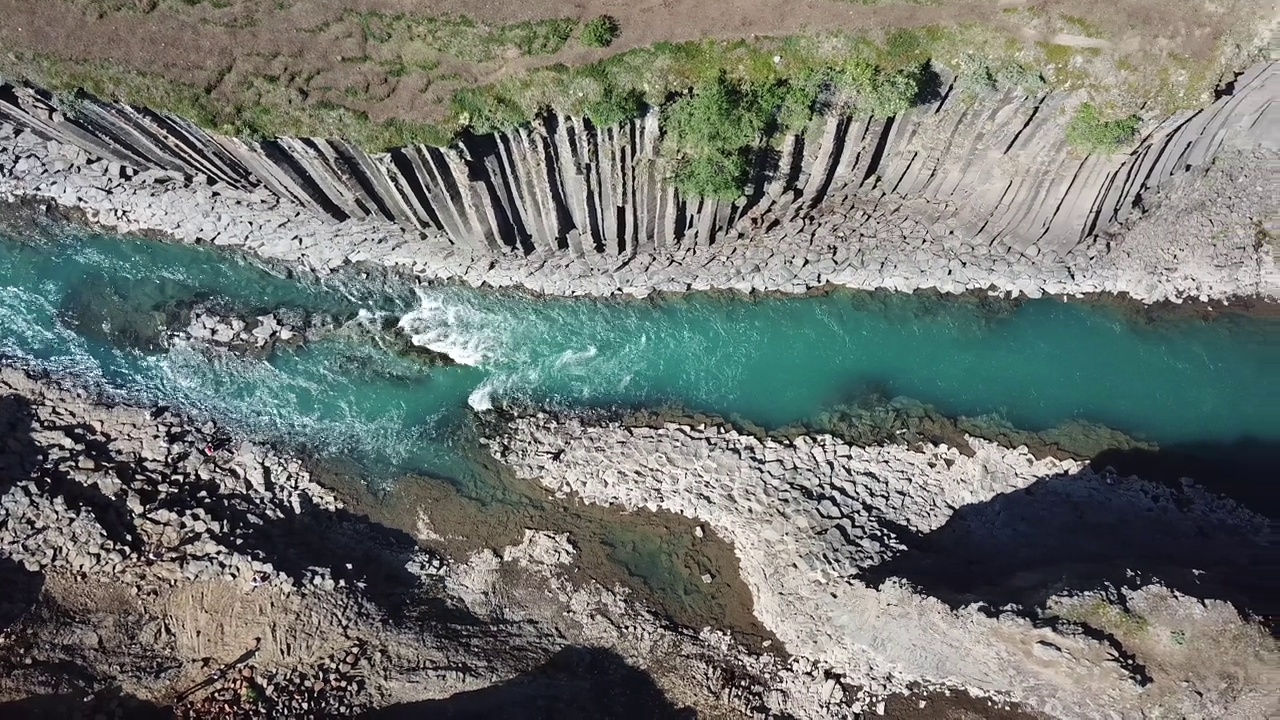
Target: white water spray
<point x="465" y="334"/>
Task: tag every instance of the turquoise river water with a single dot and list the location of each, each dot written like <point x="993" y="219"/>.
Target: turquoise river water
<point x="96" y="308"/>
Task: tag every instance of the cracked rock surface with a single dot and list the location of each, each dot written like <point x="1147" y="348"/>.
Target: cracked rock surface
<point x="997" y="571"/>
<point x="160" y="566"/>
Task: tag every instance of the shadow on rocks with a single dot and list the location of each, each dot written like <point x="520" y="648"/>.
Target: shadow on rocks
<point x="1242" y="470"/>
<point x="21" y="592"/>
<point x="1092" y="532"/>
<point x="353" y="549"/>
<point x="933" y="86"/>
<point x="22" y="458"/>
<point x="577" y="683"/>
<point x="370" y="557"/>
<point x="103" y="704"/>
<point x="19" y="453"/>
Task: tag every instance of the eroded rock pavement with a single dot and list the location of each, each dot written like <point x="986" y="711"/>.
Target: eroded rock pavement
<point x="161" y="566"/>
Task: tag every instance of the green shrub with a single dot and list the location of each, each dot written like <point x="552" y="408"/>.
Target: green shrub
<point x="716" y="174"/>
<point x="614" y="105"/>
<point x="599" y="32"/>
<point x="719" y="115"/>
<point x="880" y="92"/>
<point x="974" y="77"/>
<point x="712" y="135"/>
<point x="1016" y="75"/>
<point x="1089" y="133"/>
<point x="797" y="100"/>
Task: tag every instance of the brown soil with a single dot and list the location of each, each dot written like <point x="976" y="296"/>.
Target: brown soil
<point x="954" y="706"/>
<point x="317" y="47"/>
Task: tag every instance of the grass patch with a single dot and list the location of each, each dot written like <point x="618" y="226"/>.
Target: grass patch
<point x="599" y="32"/>
<point x="1089" y="132"/>
<point x="417" y="38"/>
<point x="878" y="91"/>
<point x="484" y="112"/>
<point x="109" y="82"/>
<point x="264" y="108"/>
<point x="1107" y="617"/>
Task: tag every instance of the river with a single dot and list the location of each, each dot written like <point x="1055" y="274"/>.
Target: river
<point x="98" y="308"/>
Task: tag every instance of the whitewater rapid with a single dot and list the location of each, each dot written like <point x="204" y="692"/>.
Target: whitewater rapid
<point x="519" y="348"/>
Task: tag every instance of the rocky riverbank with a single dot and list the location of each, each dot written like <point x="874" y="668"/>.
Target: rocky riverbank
<point x="1205" y="236"/>
<point x="160" y="565"/>
<point x="1081" y="594"/>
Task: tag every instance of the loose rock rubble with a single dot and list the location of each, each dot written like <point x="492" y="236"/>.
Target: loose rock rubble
<point x="127" y="490"/>
<point x="332" y="688"/>
<point x="258" y="335"/>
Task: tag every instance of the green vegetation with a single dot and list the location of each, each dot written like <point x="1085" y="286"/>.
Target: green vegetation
<point x="977" y="76"/>
<point x="792" y="73"/>
<point x="599" y="32"/>
<point x="878" y="91"/>
<point x="251" y="695"/>
<point x="613" y="105"/>
<point x="1017" y="75"/>
<point x="484" y="112"/>
<point x="1108" y="617"/>
<point x="710" y="136"/>
<point x="1088" y="132"/>
<point x="428" y="65"/>
<point x="414" y="39"/>
<point x="264" y="108"/>
<point x="106" y="81"/>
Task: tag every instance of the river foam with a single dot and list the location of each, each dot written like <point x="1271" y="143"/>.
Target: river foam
<point x="467" y="335"/>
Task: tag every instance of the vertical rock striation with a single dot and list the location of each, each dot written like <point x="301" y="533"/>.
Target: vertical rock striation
<point x="994" y="169"/>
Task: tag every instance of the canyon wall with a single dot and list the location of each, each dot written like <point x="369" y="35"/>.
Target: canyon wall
<point x="994" y="169"/>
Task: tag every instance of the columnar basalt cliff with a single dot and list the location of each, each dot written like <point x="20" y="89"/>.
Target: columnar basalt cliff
<point x="995" y="170"/>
